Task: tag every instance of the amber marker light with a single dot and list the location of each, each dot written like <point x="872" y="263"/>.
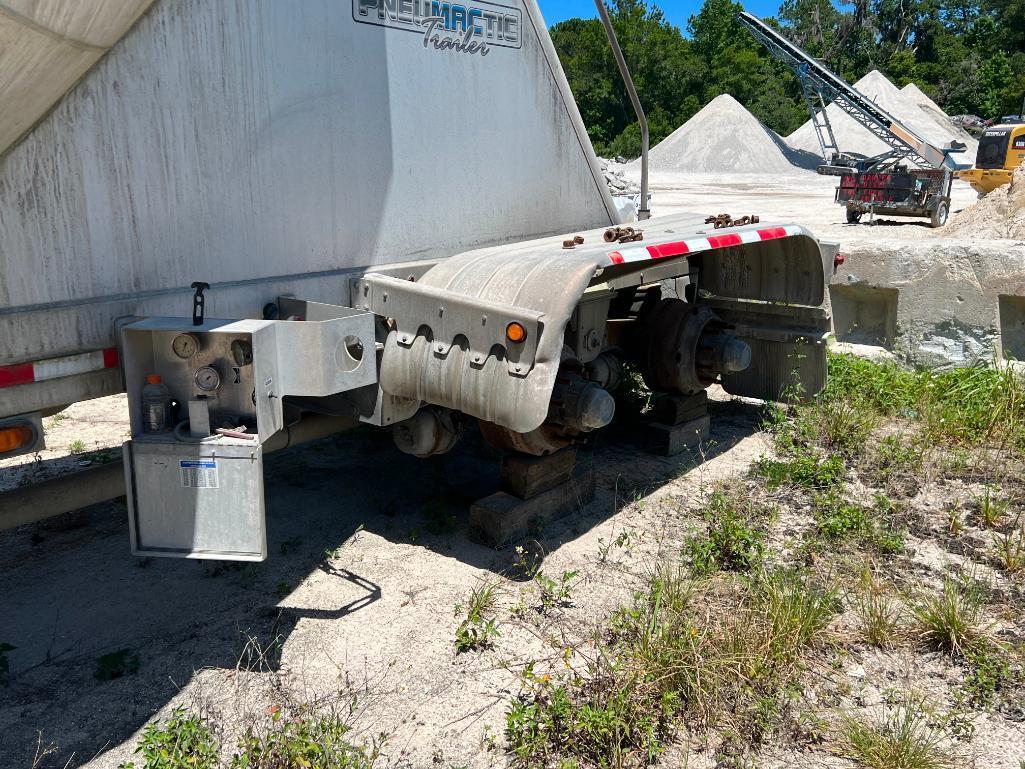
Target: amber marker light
<point x="515" y="332"/>
<point x="14" y="438"/>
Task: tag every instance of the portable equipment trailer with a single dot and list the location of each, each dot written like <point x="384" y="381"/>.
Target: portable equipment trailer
<point x="374" y="246"/>
<point x="913" y="178"/>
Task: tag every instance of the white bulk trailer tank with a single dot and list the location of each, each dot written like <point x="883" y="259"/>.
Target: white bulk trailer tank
<point x="265" y="147"/>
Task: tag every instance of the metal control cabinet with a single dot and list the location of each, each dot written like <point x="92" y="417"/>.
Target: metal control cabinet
<point x="201" y="495"/>
<point x="196" y="501"/>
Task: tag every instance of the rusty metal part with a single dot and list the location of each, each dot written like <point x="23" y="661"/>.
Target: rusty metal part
<point x="539" y="442"/>
<point x="577" y="407"/>
<point x="569" y="243"/>
<point x="684" y="347"/>
<point x="719" y="221"/>
<point x="622" y="234"/>
<point x="578" y="239"/>
<point x="431" y="430"/>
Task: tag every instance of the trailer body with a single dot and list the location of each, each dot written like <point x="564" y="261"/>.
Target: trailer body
<point x="384" y="212"/>
<point x="270" y="148"/>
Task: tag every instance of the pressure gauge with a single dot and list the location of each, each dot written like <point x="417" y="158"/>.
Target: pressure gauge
<point x="207" y="379"/>
<point x="185" y="345"/>
<point x="241" y="352"/>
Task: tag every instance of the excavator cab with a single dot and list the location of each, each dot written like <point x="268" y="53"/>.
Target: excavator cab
<point x="1001" y="150"/>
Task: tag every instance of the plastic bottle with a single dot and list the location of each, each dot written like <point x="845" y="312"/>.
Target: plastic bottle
<point x="156" y="405"/>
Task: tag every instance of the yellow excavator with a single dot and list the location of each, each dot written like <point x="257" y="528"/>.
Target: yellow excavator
<point x="1001" y="150"/>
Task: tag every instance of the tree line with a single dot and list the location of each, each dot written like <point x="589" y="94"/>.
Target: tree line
<point x="967" y="55"/>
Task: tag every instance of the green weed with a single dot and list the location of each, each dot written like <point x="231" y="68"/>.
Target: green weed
<point x="307" y="741"/>
<point x="728" y="653"/>
<point x="894" y="459"/>
<point x="969" y="404"/>
<point x="839" y="521"/>
<point x="804" y="469"/>
<point x="732" y="543"/>
<point x="990" y="507"/>
<point x="623" y="541"/>
<point x="989" y="672"/>
<point x="181" y="742"/>
<point x="479" y="627"/>
<point x="77" y="446"/>
<point x="907" y="738"/>
<point x="555" y="593"/>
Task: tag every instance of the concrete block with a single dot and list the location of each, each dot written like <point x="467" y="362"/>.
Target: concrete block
<point x="864" y="314"/>
<point x="668" y="440"/>
<point x="676" y="409"/>
<point x="954" y="298"/>
<point x="525" y="476"/>
<point x="1012" y="327"/>
<point x="501" y="519"/>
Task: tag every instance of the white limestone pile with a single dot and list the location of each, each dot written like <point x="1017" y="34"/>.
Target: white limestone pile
<point x="998" y="214"/>
<point x="947" y="129"/>
<point x="725" y="137"/>
<point x="909" y="106"/>
<point x="616" y="179"/>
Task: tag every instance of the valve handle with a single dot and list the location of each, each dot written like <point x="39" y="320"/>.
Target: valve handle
<point x="198" y="302"/>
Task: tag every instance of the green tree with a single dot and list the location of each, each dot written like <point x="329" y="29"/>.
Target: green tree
<point x="664" y="67"/>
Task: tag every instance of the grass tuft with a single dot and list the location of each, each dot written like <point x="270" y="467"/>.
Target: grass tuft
<point x="906" y="738"/>
<point x="880" y="619"/>
<point x="720" y="652"/>
<point x="950" y="620"/>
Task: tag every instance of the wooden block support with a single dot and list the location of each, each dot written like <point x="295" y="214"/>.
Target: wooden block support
<point x="680" y="409"/>
<point x="525" y="476"/>
<point x="502" y="519"/>
<point x="668" y="440"/>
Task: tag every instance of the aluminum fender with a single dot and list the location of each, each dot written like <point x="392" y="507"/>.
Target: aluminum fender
<point x="763" y="263"/>
<point x="443" y="371"/>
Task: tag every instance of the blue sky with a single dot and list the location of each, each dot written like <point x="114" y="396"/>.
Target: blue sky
<point x="677" y="11"/>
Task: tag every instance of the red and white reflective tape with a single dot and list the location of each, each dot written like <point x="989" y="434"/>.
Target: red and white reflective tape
<point x="694" y="245"/>
<point x="54" y="368"/>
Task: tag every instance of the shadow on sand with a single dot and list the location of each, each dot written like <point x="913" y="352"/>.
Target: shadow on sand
<point x="72" y="595"/>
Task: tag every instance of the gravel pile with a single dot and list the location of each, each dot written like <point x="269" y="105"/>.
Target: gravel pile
<point x="725" y="137"/>
<point x="998" y="214"/>
<point x="616" y="179"/>
<point x="910" y="106"/>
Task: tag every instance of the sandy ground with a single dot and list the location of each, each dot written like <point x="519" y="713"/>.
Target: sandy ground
<point x="804" y="198"/>
<point x="364" y="571"/>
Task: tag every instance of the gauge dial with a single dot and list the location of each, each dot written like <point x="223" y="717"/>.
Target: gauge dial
<point x="241" y="352"/>
<point x="207" y="379"/>
<point x="185" y="345"/>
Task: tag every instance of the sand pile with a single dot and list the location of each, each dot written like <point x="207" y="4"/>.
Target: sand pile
<point x="999" y="214"/>
<point x="725" y="137"/>
<point x="911" y="107"/>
